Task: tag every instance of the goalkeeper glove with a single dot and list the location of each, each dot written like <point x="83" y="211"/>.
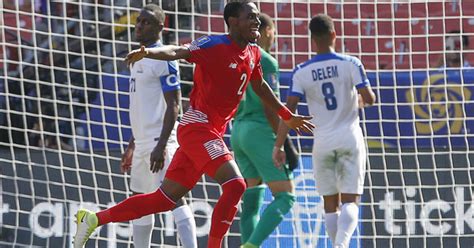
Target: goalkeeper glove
<point x="292" y="155"/>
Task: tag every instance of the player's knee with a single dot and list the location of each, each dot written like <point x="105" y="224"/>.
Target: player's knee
<point x="286" y="199"/>
<point x="331" y="203"/>
<point x="281" y="186"/>
<point x="160" y="198"/>
<point x="348" y="198"/>
<point x="181" y="202"/>
<point x="235" y="186"/>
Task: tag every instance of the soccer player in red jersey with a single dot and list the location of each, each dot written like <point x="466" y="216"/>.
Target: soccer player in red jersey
<point x="225" y="64"/>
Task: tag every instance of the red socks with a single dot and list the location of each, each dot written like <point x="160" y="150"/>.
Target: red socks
<point x="136" y="207"/>
<point x="145" y="204"/>
<point x="225" y="210"/>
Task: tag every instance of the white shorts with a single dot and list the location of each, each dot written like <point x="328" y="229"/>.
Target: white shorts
<point x="142" y="180"/>
<point x="339" y="163"/>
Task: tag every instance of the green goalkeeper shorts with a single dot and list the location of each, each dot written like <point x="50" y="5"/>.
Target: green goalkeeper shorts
<point x="252" y="143"/>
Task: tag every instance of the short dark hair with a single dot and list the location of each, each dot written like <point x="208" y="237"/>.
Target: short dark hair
<point x="265" y="21"/>
<point x="157" y="12"/>
<point x="233" y="9"/>
<point x="321" y="25"/>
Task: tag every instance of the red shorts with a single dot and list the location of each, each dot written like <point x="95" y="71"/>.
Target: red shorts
<point x="201" y="150"/>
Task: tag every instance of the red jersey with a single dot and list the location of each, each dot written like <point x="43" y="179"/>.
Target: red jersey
<point x="223" y="71"/>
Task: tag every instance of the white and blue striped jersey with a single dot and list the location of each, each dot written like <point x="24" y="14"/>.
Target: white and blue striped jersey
<point x="329" y="82"/>
<point x="149" y="79"/>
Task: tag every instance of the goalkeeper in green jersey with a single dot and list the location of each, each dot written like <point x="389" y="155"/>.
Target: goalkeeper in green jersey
<point x="253" y="138"/>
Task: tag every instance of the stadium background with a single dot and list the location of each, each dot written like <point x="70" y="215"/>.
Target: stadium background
<point x="64" y="119"/>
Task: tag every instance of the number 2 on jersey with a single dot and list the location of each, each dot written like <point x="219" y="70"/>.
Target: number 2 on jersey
<point x="328" y="93"/>
<point x="244" y="79"/>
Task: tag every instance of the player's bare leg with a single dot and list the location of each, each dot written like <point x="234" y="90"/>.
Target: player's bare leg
<point x="340" y="225"/>
<point x="134" y="207"/>
<point x="284" y="199"/>
<point x="233" y="186"/>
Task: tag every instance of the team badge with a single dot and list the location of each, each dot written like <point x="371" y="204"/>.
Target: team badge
<point x="196" y="44"/>
<point x="273" y="79"/>
<point x="202" y="40"/>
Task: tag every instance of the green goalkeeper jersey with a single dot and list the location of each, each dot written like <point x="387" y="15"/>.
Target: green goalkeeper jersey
<point x="251" y="107"/>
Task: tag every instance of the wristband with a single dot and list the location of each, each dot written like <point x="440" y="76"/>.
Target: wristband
<point x="285" y="113"/>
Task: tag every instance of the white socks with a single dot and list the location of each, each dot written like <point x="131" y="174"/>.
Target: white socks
<point x="346" y="224"/>
<point x="186" y="225"/>
<point x="330" y="219"/>
<point x="142" y="229"/>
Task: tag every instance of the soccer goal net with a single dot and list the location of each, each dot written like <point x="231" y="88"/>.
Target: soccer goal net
<point x="64" y="118"/>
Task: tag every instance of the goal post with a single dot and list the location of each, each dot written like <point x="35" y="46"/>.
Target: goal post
<point x="64" y="118"/>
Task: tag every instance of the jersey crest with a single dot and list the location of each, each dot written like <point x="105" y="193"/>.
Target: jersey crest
<point x="233" y="65"/>
<point x="196" y="44"/>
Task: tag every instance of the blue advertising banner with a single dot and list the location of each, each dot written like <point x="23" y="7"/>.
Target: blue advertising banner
<point x="414" y="109"/>
<point x="417" y="109"/>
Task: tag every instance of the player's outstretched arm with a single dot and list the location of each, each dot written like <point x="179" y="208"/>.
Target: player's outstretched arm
<point x="297" y="122"/>
<point x="279" y="156"/>
<point x="168" y="52"/>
